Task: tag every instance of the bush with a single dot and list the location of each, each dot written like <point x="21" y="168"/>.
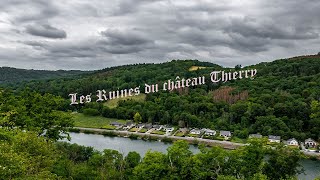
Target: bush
<point x="133" y="136"/>
<point x="152" y="138"/>
<point x="208" y="137"/>
<point x="75" y="152"/>
<point x="88" y="131"/>
<point x="110" y="127"/>
<point x="76" y="130"/>
<point x="167" y="140"/>
<point x="91" y="112"/>
<point x="105" y="133"/>
<point x="143" y="130"/>
<point x="145" y="137"/>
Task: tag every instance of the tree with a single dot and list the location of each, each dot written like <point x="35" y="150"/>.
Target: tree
<point x="315" y="119"/>
<point x="110" y="164"/>
<point x="132" y="159"/>
<point x="238" y="67"/>
<point x="179" y="157"/>
<point x="75" y="152"/>
<point x="210" y="163"/>
<point x="91" y="112"/>
<point x="137" y="117"/>
<point x="33" y="111"/>
<point x="283" y="163"/>
<point x="252" y="158"/>
<point x="153" y="166"/>
<point x="25" y="156"/>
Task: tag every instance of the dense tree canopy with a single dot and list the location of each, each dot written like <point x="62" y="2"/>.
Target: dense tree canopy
<point x="278" y="101"/>
<point x="35" y="112"/>
<point x="282" y="100"/>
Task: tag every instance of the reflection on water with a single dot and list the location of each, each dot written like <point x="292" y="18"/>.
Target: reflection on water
<point x="125" y="145"/>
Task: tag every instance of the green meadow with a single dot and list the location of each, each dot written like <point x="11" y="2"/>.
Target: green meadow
<point x="114" y="102"/>
<point x="81" y="120"/>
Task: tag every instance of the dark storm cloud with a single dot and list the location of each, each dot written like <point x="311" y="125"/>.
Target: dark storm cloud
<point x="45" y="30"/>
<point x="250" y="27"/>
<point x="119" y="32"/>
<point x="29" y="11"/>
<point x="129" y="37"/>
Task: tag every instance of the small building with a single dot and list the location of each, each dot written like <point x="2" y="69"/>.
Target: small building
<point x="225" y="134"/>
<point x="148" y="126"/>
<point x="116" y="124"/>
<point x="195" y="131"/>
<point x="209" y="132"/>
<point x="141" y="125"/>
<point x="274" y="139"/>
<point x="292" y="142"/>
<point x="255" y="136"/>
<point x="168" y="129"/>
<point x="310" y="143"/>
<point x="158" y="127"/>
<point x="128" y="125"/>
<point x="183" y="130"/>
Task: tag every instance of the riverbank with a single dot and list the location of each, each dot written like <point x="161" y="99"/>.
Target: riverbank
<point x="126" y="145"/>
<point x="191" y="140"/>
<point x="165" y="138"/>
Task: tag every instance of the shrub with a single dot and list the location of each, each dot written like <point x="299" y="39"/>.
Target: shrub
<point x="110" y="127"/>
<point x="167" y="140"/>
<point x="106" y="133"/>
<point x="91" y="112"/>
<point x="133" y="136"/>
<point x="76" y="130"/>
<point x="88" y="131"/>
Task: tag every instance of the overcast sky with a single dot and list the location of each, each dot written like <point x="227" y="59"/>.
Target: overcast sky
<point x="94" y="34"/>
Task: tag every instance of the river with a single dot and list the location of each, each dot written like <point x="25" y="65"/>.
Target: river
<point x="125" y="145"/>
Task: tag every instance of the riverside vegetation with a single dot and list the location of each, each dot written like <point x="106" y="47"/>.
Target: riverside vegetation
<point x="24" y="155"/>
<point x="282" y="100"/>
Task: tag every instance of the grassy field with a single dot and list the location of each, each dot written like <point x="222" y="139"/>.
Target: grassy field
<point x="110" y="127"/>
<point x="134" y="129"/>
<point x="180" y="134"/>
<point x="143" y="130"/>
<point x="193" y="135"/>
<point x="238" y="140"/>
<point x="80" y="120"/>
<point x="158" y="132"/>
<point x="194" y="68"/>
<point x="114" y="102"/>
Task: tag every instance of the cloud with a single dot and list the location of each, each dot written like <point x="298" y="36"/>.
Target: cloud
<point x="46" y="30"/>
<point x="250" y="27"/>
<point x="94" y="34"/>
<point x="129" y="37"/>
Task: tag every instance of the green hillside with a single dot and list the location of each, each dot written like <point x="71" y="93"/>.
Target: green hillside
<point x="14" y="75"/>
<point x="278" y="101"/>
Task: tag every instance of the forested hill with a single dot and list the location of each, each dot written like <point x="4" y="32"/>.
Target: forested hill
<point x="122" y="77"/>
<point x="283" y="98"/>
<point x="14" y="75"/>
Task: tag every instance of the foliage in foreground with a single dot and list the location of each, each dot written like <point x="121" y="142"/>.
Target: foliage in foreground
<point x="25" y="156"/>
<point x="32" y="111"/>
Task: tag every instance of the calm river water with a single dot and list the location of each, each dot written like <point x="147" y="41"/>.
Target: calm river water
<point x="125" y="145"/>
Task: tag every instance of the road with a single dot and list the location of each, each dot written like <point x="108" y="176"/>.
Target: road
<point x="224" y="144"/>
